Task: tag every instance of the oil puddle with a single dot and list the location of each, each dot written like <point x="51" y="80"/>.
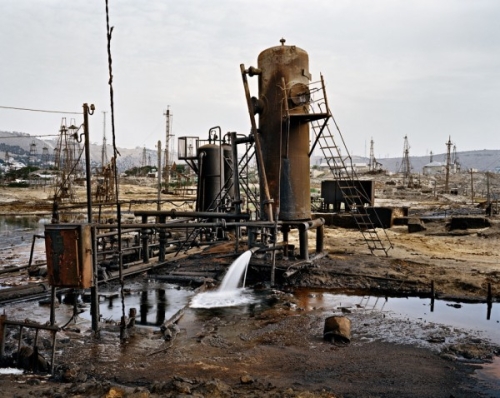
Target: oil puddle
<point x="463" y="318"/>
<point x="489" y="378"/>
<point x="457" y="331"/>
<point x="155" y="302"/>
<point x="17" y="234"/>
<point x="17" y="231"/>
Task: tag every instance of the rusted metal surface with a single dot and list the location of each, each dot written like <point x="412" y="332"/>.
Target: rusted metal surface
<point x="69" y="255"/>
<point x="338" y="329"/>
<point x="283" y="81"/>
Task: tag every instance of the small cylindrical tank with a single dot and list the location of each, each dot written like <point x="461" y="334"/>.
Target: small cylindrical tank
<point x="284" y="73"/>
<point x="214" y="176"/>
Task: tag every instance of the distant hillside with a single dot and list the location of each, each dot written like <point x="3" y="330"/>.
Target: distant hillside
<point x="18" y="145"/>
<point x="483" y="160"/>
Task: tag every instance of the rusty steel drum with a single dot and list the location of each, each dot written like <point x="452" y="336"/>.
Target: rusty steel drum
<point x="338" y="329"/>
<point x="285" y="141"/>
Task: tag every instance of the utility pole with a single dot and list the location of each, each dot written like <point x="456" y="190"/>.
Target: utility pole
<point x="472" y="185"/>
<point x="94" y="295"/>
<point x="448" y="161"/>
<point x="488" y="188"/>
<point x="158" y="206"/>
<point x="168" y="127"/>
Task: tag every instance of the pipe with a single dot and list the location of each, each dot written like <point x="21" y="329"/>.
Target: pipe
<point x="268" y="201"/>
<point x="193" y="214"/>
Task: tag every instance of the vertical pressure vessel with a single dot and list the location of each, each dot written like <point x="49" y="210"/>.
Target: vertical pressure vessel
<point x="215" y="188"/>
<point x="283" y="97"/>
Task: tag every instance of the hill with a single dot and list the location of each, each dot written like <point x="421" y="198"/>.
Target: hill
<point x="19" y="146"/>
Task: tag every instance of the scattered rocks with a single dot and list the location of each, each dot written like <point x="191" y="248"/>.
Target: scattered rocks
<point x="246" y="379"/>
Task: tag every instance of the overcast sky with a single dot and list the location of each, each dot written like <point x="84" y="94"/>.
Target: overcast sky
<point x="427" y="69"/>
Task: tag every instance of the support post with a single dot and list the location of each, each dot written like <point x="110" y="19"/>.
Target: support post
<point x="304" y="253"/>
<point x="320" y="238"/>
<point x="94" y="303"/>
<point x="145" y="238"/>
<point x="162" y="239"/>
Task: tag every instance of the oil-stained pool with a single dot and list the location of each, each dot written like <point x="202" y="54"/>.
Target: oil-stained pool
<point x="156" y="302"/>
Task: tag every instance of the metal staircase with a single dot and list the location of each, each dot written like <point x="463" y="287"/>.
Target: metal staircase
<point x="340" y="163"/>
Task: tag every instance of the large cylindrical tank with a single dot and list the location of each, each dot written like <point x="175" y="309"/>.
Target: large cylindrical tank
<point x="285" y="141"/>
<point x="214" y="177"/>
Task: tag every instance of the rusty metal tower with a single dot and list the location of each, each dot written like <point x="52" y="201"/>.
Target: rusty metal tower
<point x="448" y="164"/>
<point x="67" y="154"/>
<point x="405" y="167"/>
<point x="104" y="152"/>
<point x="45" y="156"/>
<point x="32" y="160"/>
<point x="372" y="163"/>
<point x="168" y="137"/>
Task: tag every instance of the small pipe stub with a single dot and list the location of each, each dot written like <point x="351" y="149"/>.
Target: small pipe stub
<point x="337" y="329"/>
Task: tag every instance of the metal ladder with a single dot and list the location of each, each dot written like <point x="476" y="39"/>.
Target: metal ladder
<point x="341" y="166"/>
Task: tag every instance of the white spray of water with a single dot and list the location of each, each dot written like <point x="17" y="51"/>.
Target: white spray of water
<point x="228" y="294"/>
<point x="235" y="272"/>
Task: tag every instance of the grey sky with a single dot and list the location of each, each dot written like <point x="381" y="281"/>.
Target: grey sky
<point x="427" y="69"/>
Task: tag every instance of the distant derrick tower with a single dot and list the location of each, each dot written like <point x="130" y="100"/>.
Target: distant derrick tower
<point x="372" y="164"/>
<point x="448" y="164"/>
<point x="45" y="156"/>
<point x="104" y="152"/>
<point x="405" y="167"/>
<point x="32" y="160"/>
<point x="168" y="137"/>
<point x="144" y="156"/>
<point x="67" y="158"/>
<point x="7" y="160"/>
<point x="455" y="160"/>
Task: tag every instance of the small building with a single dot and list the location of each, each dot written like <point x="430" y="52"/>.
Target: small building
<point x="434" y="168"/>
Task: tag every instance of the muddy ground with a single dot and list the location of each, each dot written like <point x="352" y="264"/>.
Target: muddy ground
<point x="277" y="349"/>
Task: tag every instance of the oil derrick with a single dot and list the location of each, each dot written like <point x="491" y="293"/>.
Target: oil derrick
<point x="448" y="164"/>
<point x="168" y="137"/>
<point x="104" y="152"/>
<point x="143" y="161"/>
<point x="455" y="160"/>
<point x="67" y="156"/>
<point x="405" y="167"/>
<point x="105" y="188"/>
<point x="45" y="156"/>
<point x="371" y="162"/>
<point x="7" y="161"/>
<point x="32" y="160"/>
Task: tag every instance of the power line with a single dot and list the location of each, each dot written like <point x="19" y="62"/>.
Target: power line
<point x="29" y="136"/>
<point x="39" y="110"/>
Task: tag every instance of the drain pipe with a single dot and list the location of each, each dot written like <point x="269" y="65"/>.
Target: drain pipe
<point x="318" y="224"/>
